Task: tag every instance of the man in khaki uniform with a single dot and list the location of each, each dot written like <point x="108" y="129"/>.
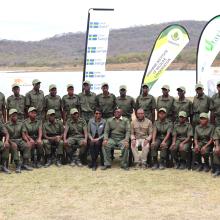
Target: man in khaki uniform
<point x="182" y="104"/>
<point x="17" y="102"/>
<point x="216" y="153"/>
<point x="166" y="101"/>
<point x="125" y="103"/>
<point x="87" y="101"/>
<point x="116" y="134"/>
<point x="141" y="134"/>
<point x="147" y="102"/>
<point x="35" y="98"/>
<point x="69" y="101"/>
<point x="75" y="136"/>
<point x="53" y="101"/>
<point x="2" y="108"/>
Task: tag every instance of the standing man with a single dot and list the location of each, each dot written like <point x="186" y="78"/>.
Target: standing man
<point x="117" y="134"/>
<point x="35" y="98"/>
<point x="141" y="134"/>
<point x="166" y="101"/>
<point x="87" y="101"/>
<point x="69" y="101"/>
<point x="125" y="103"/>
<point x="17" y="102"/>
<point x="53" y="101"/>
<point x="2" y="108"/>
<point x="147" y="102"/>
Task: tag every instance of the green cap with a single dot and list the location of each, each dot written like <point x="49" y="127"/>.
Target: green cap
<point x="35" y="81"/>
<point x="52" y="86"/>
<point x="218" y="83"/>
<point x="69" y="85"/>
<point x="181" y="88"/>
<point x="86" y="82"/>
<point x="50" y="112"/>
<point x="104" y="84"/>
<point x="123" y="87"/>
<point x="182" y="114"/>
<point x="73" y="111"/>
<point x="15" y="85"/>
<point x="203" y="115"/>
<point x="162" y="110"/>
<point x="145" y="84"/>
<point x="167" y="87"/>
<point x="12" y="111"/>
<point x="199" y="85"/>
<point x="31" y="109"/>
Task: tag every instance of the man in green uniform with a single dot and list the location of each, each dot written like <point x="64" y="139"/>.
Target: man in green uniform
<point x="125" y="103"/>
<point x="53" y="101"/>
<point x="75" y="136"/>
<point x="35" y="98"/>
<point x="201" y="104"/>
<point x="14" y="129"/>
<point x="2" y="108"/>
<point x="32" y="134"/>
<point x="216" y="153"/>
<point x="166" y="101"/>
<point x="161" y="139"/>
<point x="147" y="102"/>
<point x="106" y="101"/>
<point x="182" y="104"/>
<point x="53" y="138"/>
<point x="182" y="141"/>
<point x="117" y="134"/>
<point x="203" y="143"/>
<point x="69" y="101"/>
<point x="17" y="102"/>
<point x="215" y="107"/>
<point x="87" y="102"/>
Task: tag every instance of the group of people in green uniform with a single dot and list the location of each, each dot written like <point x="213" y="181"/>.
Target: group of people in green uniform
<point x="38" y="131"/>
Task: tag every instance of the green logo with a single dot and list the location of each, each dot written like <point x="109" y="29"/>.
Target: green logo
<point x="175" y="36"/>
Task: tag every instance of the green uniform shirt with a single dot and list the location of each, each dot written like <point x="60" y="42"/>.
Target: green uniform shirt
<point x="53" y="102"/>
<point x="216" y="135"/>
<point x="168" y="104"/>
<point x="127" y="104"/>
<point x="76" y="128"/>
<point x="204" y="134"/>
<point x="162" y="128"/>
<point x="201" y="104"/>
<point x="14" y="130"/>
<point x="31" y="127"/>
<point x="107" y="104"/>
<point x="69" y="102"/>
<point x="2" y="131"/>
<point x="215" y="107"/>
<point x="17" y="103"/>
<point x="87" y="102"/>
<point x="182" y="131"/>
<point x="117" y="129"/>
<point x="2" y="104"/>
<point x="147" y="103"/>
<point x="53" y="129"/>
<point x="183" y="105"/>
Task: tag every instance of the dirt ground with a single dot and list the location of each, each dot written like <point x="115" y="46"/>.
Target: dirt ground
<point x="68" y="193"/>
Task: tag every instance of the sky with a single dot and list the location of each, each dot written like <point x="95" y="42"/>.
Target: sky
<point x="32" y="20"/>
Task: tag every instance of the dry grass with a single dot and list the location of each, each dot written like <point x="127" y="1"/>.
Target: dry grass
<point x="80" y="194"/>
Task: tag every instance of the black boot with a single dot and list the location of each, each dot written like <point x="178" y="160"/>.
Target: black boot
<point x="58" y="161"/>
<point x="25" y="165"/>
<point x="155" y="163"/>
<point x="217" y="170"/>
<point x="48" y="161"/>
<point x="5" y="168"/>
<point x="206" y="166"/>
<point x="18" y="167"/>
<point x="162" y="164"/>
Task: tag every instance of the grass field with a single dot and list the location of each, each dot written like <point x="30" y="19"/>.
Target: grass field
<point x="80" y="194"/>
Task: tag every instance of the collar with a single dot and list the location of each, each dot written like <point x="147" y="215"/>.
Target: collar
<point x="119" y="118"/>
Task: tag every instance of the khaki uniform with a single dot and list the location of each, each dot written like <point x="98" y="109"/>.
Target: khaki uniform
<point x="215" y="108"/>
<point x="4" y="152"/>
<point x="51" y="102"/>
<point x="2" y="106"/>
<point x="216" y="136"/>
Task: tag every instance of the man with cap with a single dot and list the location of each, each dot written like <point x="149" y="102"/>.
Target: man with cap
<point x="2" y="108"/>
<point x="75" y="136"/>
<point x="14" y="129"/>
<point x="53" y="138"/>
<point x="16" y="101"/>
<point x="161" y="139"/>
<point x="35" y="98"/>
<point x="216" y="152"/>
<point x="182" y="104"/>
<point x="87" y="101"/>
<point x="203" y="143"/>
<point x="106" y="101"/>
<point x="201" y="104"/>
<point x="147" y="102"/>
<point x="215" y="107"/>
<point x="69" y="101"/>
<point x="32" y="134"/>
<point x="166" y="101"/>
<point x="53" y="101"/>
<point x="125" y="103"/>
<point x="116" y="134"/>
<point x="141" y="135"/>
<point x="182" y="141"/>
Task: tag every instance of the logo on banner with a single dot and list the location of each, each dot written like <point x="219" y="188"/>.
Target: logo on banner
<point x="210" y="44"/>
<point x="100" y="37"/>
<point x="95" y="62"/>
<point x="174" y="36"/>
<point x="98" y="25"/>
<point x="92" y="74"/>
<point x="96" y="50"/>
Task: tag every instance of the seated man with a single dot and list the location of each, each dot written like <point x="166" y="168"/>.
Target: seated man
<point x="116" y="134"/>
<point x="161" y="139"/>
<point x="53" y="135"/>
<point x="75" y="136"/>
<point x="141" y="134"/>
